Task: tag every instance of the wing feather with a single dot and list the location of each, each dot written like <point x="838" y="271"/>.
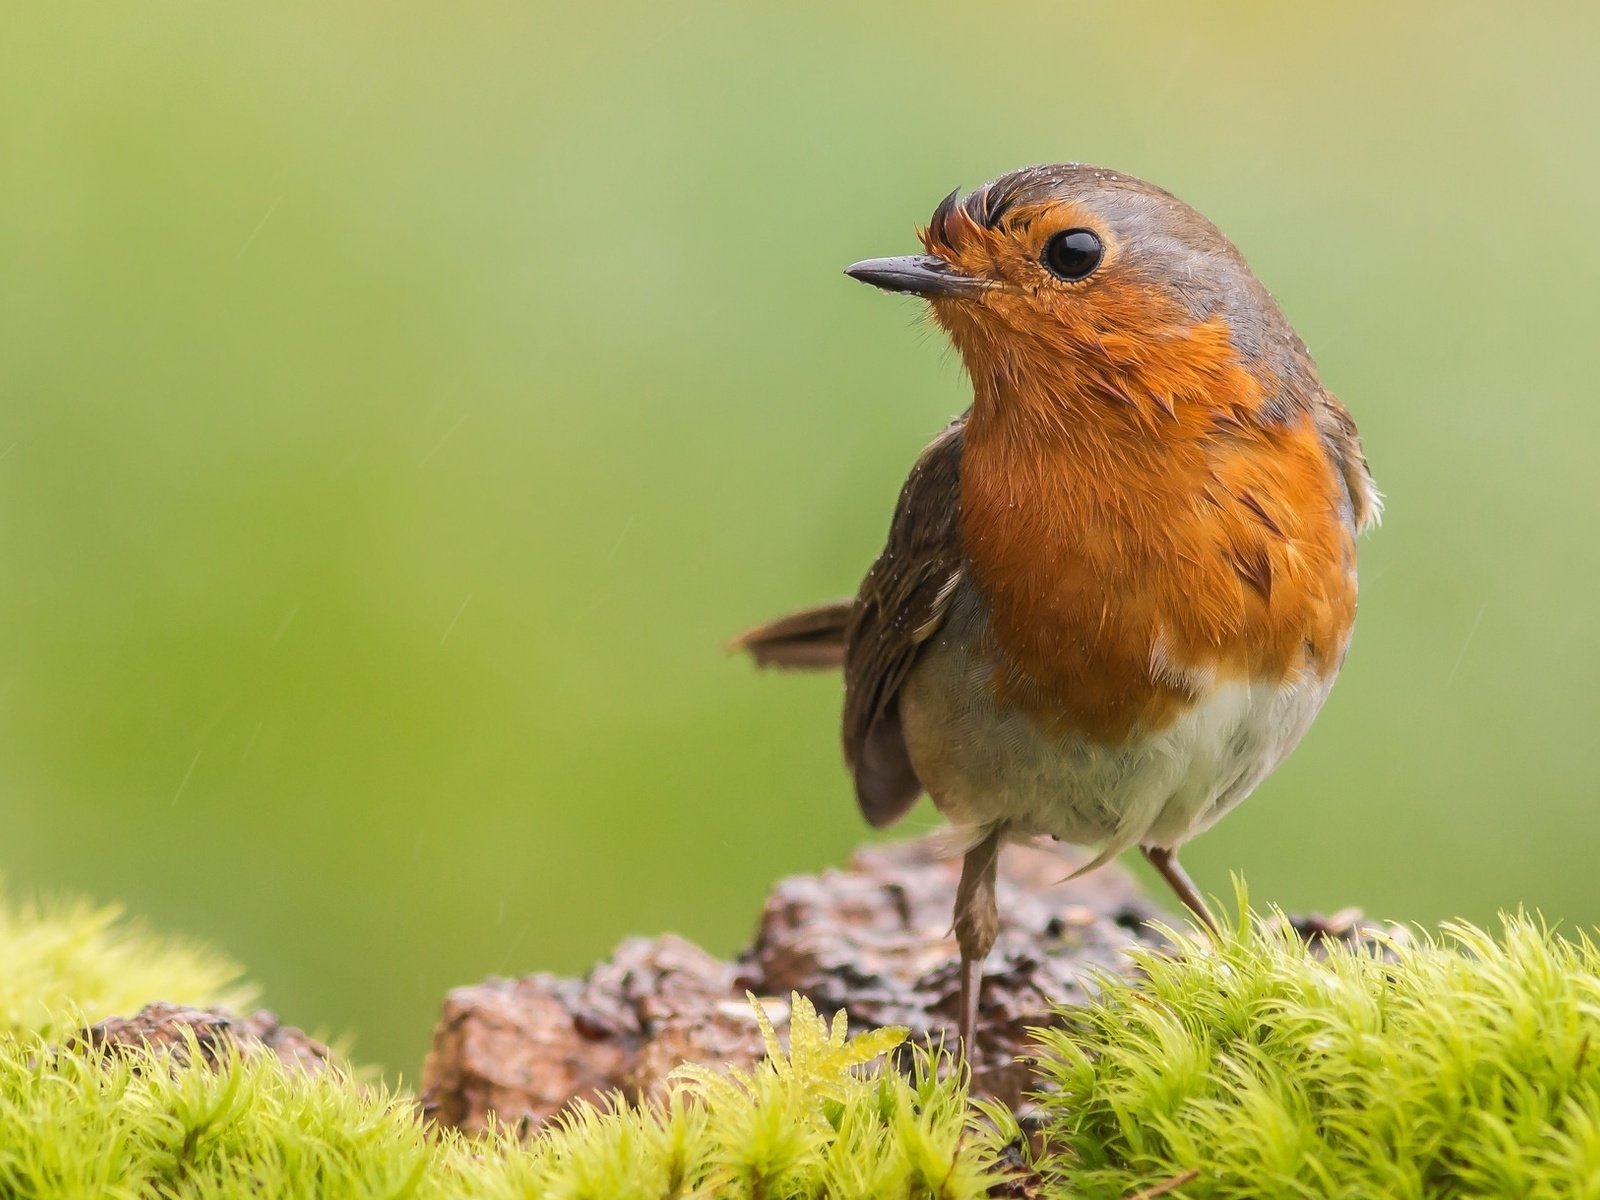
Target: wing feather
<point x="1338" y="431"/>
<point x="901" y="605"/>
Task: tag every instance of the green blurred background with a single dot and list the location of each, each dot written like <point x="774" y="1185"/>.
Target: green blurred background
<point x="401" y="404"/>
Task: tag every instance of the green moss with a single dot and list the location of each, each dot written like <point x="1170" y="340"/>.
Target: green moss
<point x="1463" y="1067"/>
<point x="67" y="963"/>
<point x="77" y="1125"/>
<point x="819" y="1121"/>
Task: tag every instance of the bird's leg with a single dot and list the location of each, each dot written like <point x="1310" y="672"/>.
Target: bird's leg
<point x="1166" y="862"/>
<point x="977" y="921"/>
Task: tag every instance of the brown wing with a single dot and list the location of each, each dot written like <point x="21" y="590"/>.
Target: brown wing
<point x="902" y="603"/>
<point x="1338" y="431"/>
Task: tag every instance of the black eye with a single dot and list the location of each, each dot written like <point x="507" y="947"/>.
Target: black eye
<point x="1073" y="254"/>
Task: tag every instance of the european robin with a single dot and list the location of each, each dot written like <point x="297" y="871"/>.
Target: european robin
<point x="1118" y="588"/>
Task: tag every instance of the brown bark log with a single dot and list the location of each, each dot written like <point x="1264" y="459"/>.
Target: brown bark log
<point x="873" y="939"/>
<point x="167" y="1029"/>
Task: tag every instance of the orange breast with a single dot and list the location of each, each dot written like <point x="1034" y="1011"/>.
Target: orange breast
<point x="1132" y="556"/>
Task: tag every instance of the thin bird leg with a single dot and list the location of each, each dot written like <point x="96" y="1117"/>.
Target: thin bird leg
<point x="977" y="921"/>
<point x="1166" y="862"/>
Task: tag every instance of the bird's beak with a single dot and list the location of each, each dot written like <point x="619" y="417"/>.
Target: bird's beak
<point x="919" y="274"/>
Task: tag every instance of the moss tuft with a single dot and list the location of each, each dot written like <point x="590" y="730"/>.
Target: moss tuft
<point x="66" y="964"/>
<point x="81" y="1125"/>
<point x="815" y="1122"/>
<point x="819" y="1121"/>
<point x="1461" y="1064"/>
<point x="1458" y="1065"/>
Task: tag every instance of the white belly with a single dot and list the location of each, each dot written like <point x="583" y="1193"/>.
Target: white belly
<point x="983" y="764"/>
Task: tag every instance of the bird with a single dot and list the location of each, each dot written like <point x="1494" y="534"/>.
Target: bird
<point x="1117" y="589"/>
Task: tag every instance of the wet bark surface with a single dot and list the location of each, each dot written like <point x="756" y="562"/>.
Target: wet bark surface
<point x="873" y="939"/>
<point x="205" y="1035"/>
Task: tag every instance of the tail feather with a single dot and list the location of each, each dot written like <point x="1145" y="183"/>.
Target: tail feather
<point x="809" y="640"/>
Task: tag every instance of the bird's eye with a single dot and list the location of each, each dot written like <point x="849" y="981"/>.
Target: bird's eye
<point x="1073" y="254"/>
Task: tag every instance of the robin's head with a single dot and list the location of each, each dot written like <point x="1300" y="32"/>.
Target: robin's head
<point x="1076" y="280"/>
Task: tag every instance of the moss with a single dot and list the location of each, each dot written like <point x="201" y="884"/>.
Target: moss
<point x="825" y="1119"/>
<point x="816" y="1122"/>
<point x="77" y="1125"/>
<point x="1454" y="1065"/>
<point x="1451" y="1065"/>
<point x="68" y="963"/>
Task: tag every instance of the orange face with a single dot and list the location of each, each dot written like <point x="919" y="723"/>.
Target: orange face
<point x="1151" y="502"/>
<point x="1084" y="281"/>
<point x="1051" y="285"/>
